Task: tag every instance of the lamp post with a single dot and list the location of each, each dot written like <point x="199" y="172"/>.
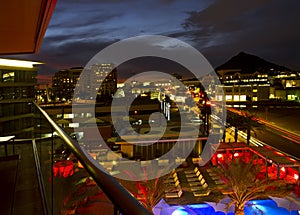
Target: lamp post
<point x="206" y="111"/>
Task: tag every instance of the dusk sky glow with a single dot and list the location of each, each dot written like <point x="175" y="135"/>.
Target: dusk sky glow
<point x="218" y="29"/>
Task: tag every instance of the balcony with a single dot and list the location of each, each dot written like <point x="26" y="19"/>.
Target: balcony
<point x="51" y="174"/>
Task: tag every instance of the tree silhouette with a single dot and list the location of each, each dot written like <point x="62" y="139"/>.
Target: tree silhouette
<point x="148" y="192"/>
<point x="242" y="182"/>
<point x="248" y="122"/>
<point x="233" y="120"/>
<point x="245" y="121"/>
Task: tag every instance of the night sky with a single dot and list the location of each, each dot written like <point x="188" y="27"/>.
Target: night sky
<point x="219" y="29"/>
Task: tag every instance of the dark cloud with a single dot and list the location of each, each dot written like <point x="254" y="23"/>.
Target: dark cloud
<point x="218" y="29"/>
<point x="80" y="29"/>
<point x="265" y="28"/>
<point x="223" y="15"/>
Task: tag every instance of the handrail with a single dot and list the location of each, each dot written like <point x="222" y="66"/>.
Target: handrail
<point x="39" y="177"/>
<point x="118" y="195"/>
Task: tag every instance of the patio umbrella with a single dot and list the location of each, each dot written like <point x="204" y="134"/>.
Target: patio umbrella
<point x="179" y="210"/>
<point x="162" y="208"/>
<point x="159" y="207"/>
<point x="268" y="210"/>
<point x="290" y="202"/>
<point x="222" y="205"/>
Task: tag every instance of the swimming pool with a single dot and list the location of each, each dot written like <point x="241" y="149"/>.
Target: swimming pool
<point x="257" y="207"/>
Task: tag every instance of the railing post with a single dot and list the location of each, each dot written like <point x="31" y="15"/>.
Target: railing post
<point x="52" y="176"/>
<point x="118" y="195"/>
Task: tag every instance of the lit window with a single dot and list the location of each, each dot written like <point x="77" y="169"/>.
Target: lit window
<point x="228" y="97"/>
<point x="236" y="98"/>
<point x="242" y="97"/>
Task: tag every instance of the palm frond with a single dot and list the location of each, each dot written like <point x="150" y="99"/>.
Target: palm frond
<point x="241" y="178"/>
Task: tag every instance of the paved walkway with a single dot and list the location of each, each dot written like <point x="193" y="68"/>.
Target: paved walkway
<point x="18" y="183"/>
<point x="8" y="172"/>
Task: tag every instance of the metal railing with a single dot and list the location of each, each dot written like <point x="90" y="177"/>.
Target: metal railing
<point x="47" y="143"/>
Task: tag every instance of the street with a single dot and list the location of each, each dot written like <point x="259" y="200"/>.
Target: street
<point x="280" y="130"/>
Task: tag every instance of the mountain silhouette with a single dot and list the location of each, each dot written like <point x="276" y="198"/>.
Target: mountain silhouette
<point x="248" y="63"/>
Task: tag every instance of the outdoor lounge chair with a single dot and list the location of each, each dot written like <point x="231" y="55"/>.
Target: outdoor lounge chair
<point x="205" y="192"/>
<point x="199" y="178"/>
<point x="190" y="171"/>
<point x="197" y="188"/>
<point x="175" y="194"/>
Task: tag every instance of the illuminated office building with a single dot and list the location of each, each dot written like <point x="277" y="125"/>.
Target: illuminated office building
<point x="101" y="78"/>
<point x="17" y="92"/>
<point x="64" y="82"/>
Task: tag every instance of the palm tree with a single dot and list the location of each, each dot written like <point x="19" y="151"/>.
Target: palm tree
<point x="235" y="121"/>
<point x="243" y="184"/>
<point x="244" y="121"/>
<point x="86" y="196"/>
<point x="248" y="122"/>
<point x="148" y="192"/>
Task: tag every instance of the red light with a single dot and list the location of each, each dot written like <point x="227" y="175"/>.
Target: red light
<point x="236" y="154"/>
<point x="63" y="169"/>
<point x="219" y="155"/>
<point x="296" y="177"/>
<point x="282" y="169"/>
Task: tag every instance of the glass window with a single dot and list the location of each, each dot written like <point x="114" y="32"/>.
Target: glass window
<point x="8" y="76"/>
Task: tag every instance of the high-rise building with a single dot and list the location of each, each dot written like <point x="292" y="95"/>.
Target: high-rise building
<point x="64" y="82"/>
<point x="17" y="92"/>
<point x="101" y="78"/>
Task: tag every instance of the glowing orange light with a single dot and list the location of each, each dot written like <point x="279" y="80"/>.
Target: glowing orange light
<point x="219" y="155"/>
<point x="279" y="153"/>
<point x="282" y="169"/>
<point x="296" y="177"/>
<point x="80" y="165"/>
<point x="236" y="154"/>
<point x="291" y="159"/>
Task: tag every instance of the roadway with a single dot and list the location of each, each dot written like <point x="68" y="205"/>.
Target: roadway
<point x="282" y="135"/>
<point x="277" y="139"/>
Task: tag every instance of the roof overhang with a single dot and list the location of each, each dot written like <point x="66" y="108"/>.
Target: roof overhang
<point x="23" y="24"/>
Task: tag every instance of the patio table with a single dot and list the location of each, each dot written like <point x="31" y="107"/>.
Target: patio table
<point x="5" y="140"/>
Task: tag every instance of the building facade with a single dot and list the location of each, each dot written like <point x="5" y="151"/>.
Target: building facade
<point x="64" y="82"/>
<point x="286" y="86"/>
<point x="17" y="92"/>
<point x="99" y="80"/>
<point x="241" y="86"/>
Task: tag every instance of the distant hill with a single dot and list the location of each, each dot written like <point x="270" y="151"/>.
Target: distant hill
<point x="248" y="63"/>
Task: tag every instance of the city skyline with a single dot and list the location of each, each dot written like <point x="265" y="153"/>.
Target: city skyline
<point x="78" y="30"/>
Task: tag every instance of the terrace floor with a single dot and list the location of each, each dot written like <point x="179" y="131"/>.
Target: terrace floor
<point x="18" y="182"/>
